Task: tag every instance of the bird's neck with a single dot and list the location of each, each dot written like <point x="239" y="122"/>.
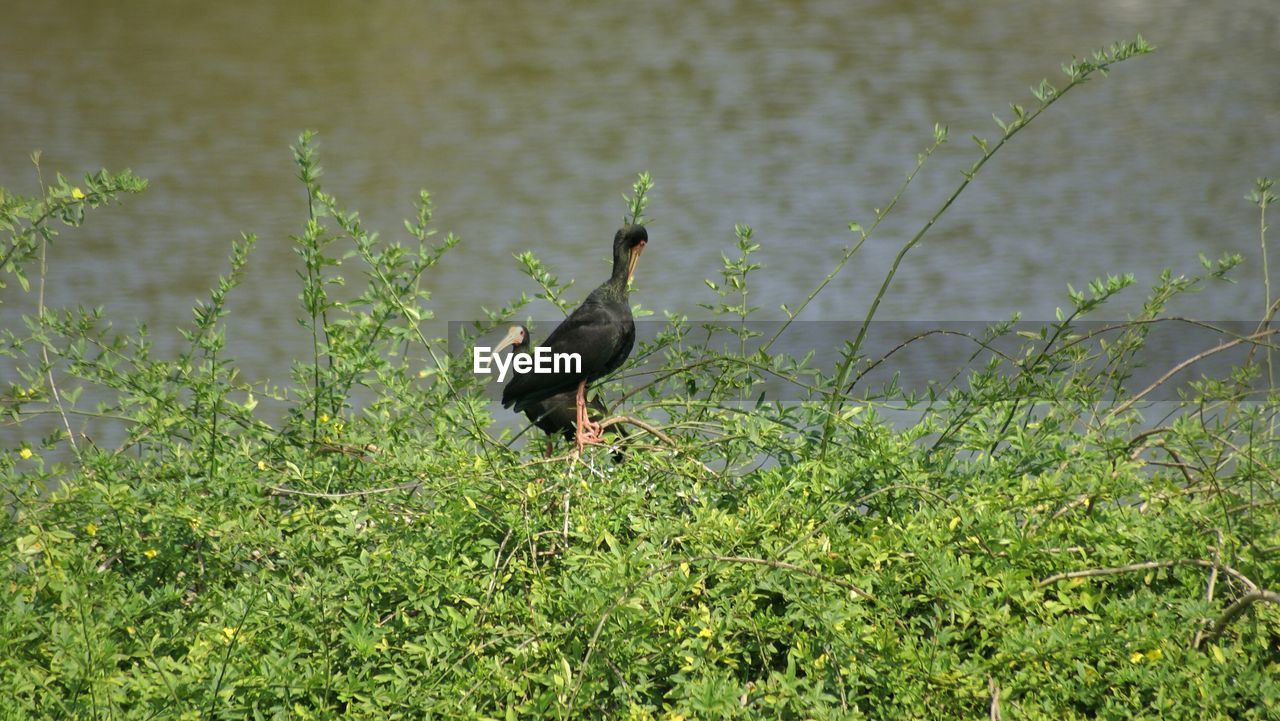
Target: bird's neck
<point x="618" y="279"/>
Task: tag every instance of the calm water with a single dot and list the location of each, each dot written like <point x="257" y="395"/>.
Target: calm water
<point x="527" y="122"/>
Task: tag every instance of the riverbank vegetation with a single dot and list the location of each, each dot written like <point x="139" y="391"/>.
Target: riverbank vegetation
<point x="1041" y="540"/>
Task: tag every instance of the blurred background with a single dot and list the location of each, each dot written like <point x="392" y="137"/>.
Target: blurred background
<point x="527" y="122"/>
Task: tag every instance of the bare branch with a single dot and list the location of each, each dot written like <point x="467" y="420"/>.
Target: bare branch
<point x="1190" y="361"/>
<point x="286" y="491"/>
<point x="1148" y="565"/>
<point x="638" y="424"/>
<point x="1234" y="611"/>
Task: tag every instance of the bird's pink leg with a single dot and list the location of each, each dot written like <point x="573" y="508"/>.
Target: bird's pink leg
<point x="588" y="432"/>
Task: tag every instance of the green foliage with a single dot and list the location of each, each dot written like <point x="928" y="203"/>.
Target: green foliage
<point x="28" y="222"/>
<point x="1036" y="542"/>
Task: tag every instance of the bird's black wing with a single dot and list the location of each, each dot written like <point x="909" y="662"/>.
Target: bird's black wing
<point x="601" y="334"/>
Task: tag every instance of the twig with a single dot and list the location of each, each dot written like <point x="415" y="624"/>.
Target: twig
<point x="1147" y="565"/>
<point x="617" y="673"/>
<point x="1217" y="558"/>
<point x="1190" y="361"/>
<point x="361" y="450"/>
<point x="901" y="487"/>
<point x="286" y="491"/>
<point x="994" y="688"/>
<point x="1233" y="612"/>
<point x="498" y="565"/>
<point x="1063" y="549"/>
<point x="1081" y="500"/>
<point x="1185" y="468"/>
<point x="1079" y="72"/>
<point x="1251" y="505"/>
<point x="568" y="491"/>
<point x="638" y="424"/>
<point x="1137" y="442"/>
<point x="475" y="651"/>
<point x="651" y="430"/>
<point x="985" y="345"/>
<point x="40" y="313"/>
<point x="1240" y="451"/>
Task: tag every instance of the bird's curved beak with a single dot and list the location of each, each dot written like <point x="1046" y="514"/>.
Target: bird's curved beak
<point x="514" y="337"/>
<point x="635" y="258"/>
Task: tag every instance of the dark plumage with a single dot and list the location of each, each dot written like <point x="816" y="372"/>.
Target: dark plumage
<point x="557" y="414"/>
<point x="601" y="331"/>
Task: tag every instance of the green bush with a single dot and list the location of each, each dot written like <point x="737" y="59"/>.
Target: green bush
<point x="360" y="542"/>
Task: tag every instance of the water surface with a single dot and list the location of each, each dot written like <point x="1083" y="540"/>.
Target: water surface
<point x="527" y="121"/>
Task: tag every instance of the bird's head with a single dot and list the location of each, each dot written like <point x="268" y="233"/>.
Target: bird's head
<point x="517" y="338"/>
<point x="629" y="243"/>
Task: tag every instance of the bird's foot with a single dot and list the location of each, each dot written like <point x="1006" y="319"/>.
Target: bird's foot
<point x="589" y="433"/>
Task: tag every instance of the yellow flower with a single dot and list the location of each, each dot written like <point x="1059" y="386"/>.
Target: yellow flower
<point x="77" y="193"/>
<point x="262" y="465"/>
<point x="1136" y="657"/>
<point x="25" y="453"/>
<point x="324" y="418"/>
<point x="706" y="633"/>
<point x="150" y="553"/>
<point x="131" y="630"/>
<point x="422" y="373"/>
<point x="228" y="633"/>
<point x="1154" y="654"/>
<point x="91" y="528"/>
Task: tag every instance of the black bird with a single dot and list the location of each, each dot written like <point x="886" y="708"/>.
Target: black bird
<point x="602" y="333"/>
<point x="556" y="414"/>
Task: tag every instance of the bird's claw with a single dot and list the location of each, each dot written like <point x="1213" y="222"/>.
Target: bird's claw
<point x="589" y="433"/>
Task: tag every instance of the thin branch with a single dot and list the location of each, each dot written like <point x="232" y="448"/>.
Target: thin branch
<point x="1080" y="500"/>
<point x="40" y="313"/>
<point x="638" y="424"/>
<point x="985" y="345"/>
<point x="1234" y="611"/>
<point x="1192" y="360"/>
<point x="1148" y="565"/>
<point x="1138" y="444"/>
<point x="286" y="491"/>
<point x="1213" y="575"/>
<point x="651" y="430"/>
<point x="1079" y="72"/>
